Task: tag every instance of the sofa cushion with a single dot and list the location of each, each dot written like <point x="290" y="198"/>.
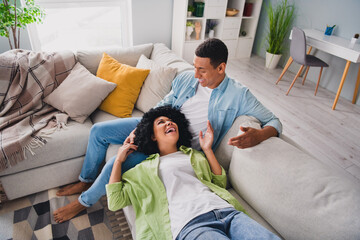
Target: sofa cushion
<point x="163" y="56"/>
<point x="156" y="85"/>
<point x="181" y="67"/>
<point x="101" y="116"/>
<point x="130" y="56"/>
<point x="300" y="196"/>
<point x="129" y="81"/>
<point x="60" y="145"/>
<point x="80" y="93"/>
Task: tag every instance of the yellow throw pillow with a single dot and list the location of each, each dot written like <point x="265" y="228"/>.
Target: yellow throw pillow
<point x="129" y="80"/>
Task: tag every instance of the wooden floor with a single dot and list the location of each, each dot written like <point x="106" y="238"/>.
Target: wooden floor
<point x="332" y="136"/>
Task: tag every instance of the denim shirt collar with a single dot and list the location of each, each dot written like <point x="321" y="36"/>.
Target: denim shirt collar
<point x="222" y="86"/>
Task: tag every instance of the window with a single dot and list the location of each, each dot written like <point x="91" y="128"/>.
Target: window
<point x="82" y="24"/>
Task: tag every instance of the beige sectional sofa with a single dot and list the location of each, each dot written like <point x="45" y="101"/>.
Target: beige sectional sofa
<point x="279" y="184"/>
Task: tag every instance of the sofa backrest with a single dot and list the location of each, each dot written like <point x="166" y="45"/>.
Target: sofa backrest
<point x="130" y="56"/>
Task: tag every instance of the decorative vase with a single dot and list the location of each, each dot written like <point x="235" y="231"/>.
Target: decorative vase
<point x="272" y="60"/>
<point x="248" y="9"/>
<point x="189" y="31"/>
<point x="211" y="33"/>
<point x="353" y="42"/>
<point x="189" y="13"/>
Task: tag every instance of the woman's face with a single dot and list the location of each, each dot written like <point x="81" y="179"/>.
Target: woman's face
<point x="165" y="131"/>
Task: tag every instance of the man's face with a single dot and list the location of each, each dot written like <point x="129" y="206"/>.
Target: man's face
<point x="207" y="75"/>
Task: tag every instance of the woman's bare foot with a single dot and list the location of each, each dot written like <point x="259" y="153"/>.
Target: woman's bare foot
<point x="73" y="189"/>
<point x="67" y="212"/>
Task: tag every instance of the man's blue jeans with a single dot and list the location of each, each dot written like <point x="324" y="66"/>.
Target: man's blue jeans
<point x="226" y="223"/>
<point x="101" y="135"/>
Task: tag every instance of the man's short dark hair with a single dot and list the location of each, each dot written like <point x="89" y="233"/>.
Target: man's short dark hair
<point x="214" y="49"/>
<point x="145" y="129"/>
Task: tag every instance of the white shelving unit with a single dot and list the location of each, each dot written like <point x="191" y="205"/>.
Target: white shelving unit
<point x="228" y="29"/>
<point x="249" y="25"/>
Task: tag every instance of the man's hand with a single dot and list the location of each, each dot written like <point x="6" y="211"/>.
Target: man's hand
<point x="124" y="151"/>
<point x="208" y="138"/>
<point x="130" y="139"/>
<point x="252" y="136"/>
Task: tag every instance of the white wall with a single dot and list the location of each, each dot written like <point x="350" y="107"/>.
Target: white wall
<point x="317" y="14"/>
<point x="152" y="21"/>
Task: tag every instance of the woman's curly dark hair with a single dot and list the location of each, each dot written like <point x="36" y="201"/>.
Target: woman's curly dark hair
<point x="145" y="129"/>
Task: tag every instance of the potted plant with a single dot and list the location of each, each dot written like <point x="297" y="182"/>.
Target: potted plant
<point x="280" y="18"/>
<point x="354" y="40"/>
<point x="211" y="24"/>
<point x="191" y="9"/>
<point x="189" y="29"/>
<point x="13" y="17"/>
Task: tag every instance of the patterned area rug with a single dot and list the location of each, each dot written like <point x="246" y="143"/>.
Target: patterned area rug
<point x="31" y="218"/>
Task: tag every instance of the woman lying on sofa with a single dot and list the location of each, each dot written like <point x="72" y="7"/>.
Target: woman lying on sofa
<point x="178" y="193"/>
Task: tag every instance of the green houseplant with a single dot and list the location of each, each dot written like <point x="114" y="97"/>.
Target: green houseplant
<point x="191" y="10"/>
<point x="14" y="17"/>
<point x="280" y="18"/>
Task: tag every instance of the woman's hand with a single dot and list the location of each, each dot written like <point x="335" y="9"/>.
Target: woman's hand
<point x="131" y="137"/>
<point x="124" y="151"/>
<point x="207" y="139"/>
<point x="206" y="142"/>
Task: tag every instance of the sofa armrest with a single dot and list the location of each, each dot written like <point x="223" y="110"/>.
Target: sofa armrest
<point x="224" y="152"/>
<point x="301" y="197"/>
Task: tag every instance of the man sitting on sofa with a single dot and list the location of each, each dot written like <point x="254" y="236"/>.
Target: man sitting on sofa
<point x="206" y="94"/>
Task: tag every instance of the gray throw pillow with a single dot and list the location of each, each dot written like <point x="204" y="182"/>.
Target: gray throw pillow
<point x="80" y="93"/>
<point x="156" y="85"/>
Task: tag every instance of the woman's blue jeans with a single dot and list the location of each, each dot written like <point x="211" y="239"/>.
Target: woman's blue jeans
<point x="226" y="223"/>
<point x="101" y="135"/>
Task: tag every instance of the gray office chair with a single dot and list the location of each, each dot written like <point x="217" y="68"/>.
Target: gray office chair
<point x="298" y="53"/>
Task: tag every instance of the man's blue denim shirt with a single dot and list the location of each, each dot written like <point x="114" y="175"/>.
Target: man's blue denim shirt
<point x="228" y="101"/>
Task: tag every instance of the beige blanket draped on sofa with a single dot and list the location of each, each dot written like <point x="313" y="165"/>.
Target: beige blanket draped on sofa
<point x="26" y="78"/>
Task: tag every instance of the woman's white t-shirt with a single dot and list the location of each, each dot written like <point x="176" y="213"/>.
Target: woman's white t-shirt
<point x="187" y="196"/>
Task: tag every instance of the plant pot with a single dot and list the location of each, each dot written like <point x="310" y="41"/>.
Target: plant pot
<point x="199" y="9"/>
<point x="211" y="33"/>
<point x="189" y="31"/>
<point x="272" y="60"/>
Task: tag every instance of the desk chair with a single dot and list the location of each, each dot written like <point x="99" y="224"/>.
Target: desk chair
<point x="298" y="54"/>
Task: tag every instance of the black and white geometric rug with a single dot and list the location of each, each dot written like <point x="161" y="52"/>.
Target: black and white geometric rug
<point x="31" y="217"/>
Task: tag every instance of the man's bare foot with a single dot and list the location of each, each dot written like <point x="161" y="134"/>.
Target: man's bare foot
<point x="73" y="189"/>
<point x="67" y="212"/>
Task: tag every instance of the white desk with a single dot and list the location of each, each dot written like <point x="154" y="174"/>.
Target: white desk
<point x="336" y="46"/>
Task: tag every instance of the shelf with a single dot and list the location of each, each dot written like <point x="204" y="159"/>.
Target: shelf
<point x="194" y="40"/>
<point x="246" y="37"/>
<point x="228" y="28"/>
<point x="195" y="18"/>
<point x="246" y="18"/>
